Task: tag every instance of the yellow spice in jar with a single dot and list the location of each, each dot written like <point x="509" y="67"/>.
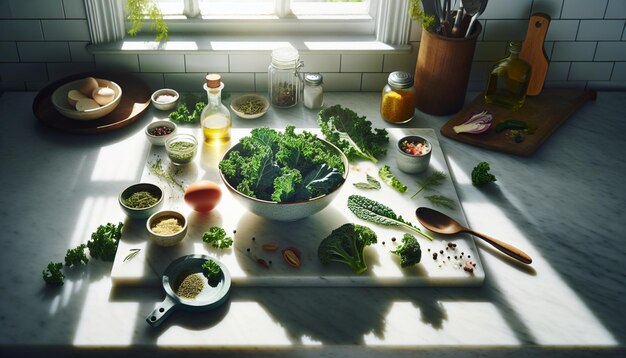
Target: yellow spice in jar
<point x="167" y="227"/>
<point x="398" y="106"/>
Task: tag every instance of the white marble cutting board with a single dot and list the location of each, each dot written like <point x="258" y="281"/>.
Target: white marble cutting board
<point x="250" y="231"/>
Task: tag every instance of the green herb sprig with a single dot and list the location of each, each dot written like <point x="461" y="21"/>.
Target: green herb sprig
<point x="388" y="177"/>
<point x="370" y="184"/>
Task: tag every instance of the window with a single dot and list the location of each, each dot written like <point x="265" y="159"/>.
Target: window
<point x="382" y="20"/>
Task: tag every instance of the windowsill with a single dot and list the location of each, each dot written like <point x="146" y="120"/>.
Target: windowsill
<point x="195" y="43"/>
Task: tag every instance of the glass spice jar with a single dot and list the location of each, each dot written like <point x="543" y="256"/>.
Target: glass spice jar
<point x="284" y="77"/>
<point x="398" y="98"/>
<point x="313" y="93"/>
<point x="508" y="80"/>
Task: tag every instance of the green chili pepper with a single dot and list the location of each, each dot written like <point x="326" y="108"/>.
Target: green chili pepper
<point x="511" y="124"/>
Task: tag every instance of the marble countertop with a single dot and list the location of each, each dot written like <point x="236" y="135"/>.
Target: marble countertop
<point x="564" y="206"/>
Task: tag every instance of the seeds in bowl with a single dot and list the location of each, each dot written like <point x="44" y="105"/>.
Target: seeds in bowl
<point x="160" y="131"/>
<point x="250" y="106"/>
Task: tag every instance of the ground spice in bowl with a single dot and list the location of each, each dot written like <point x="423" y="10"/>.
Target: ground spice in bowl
<point x="140" y="200"/>
<point x="167" y="226"/>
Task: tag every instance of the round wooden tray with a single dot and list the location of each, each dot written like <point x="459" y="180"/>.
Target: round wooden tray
<point x="135" y="101"/>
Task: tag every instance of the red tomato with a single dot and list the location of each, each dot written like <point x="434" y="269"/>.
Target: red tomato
<point x="203" y="195"/>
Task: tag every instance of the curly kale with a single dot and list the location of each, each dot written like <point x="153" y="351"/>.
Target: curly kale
<point x="76" y="256"/>
<point x="353" y="134"/>
<point x="346" y="245"/>
<point x="282" y="166"/>
<point x="388" y="177"/>
<point x="103" y="242"/>
<point x="216" y="236"/>
<point x="53" y="274"/>
<point x="409" y="251"/>
<point x="481" y="175"/>
<point x="211" y="270"/>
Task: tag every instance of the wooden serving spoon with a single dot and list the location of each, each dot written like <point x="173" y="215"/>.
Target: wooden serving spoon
<point x="440" y="223"/>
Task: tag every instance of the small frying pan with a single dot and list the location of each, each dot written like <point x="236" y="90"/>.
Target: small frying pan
<point x="212" y="295"/>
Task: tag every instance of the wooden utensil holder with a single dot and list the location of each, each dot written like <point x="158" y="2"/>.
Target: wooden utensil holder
<point x="442" y="71"/>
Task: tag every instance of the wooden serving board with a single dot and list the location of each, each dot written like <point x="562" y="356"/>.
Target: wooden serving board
<point x="545" y="113"/>
<point x="250" y="232"/>
<point x="135" y="101"/>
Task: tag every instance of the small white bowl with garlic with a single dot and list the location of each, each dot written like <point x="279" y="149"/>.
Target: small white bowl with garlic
<point x="87" y="99"/>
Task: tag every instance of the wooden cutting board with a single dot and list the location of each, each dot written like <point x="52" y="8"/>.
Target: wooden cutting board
<point x="545" y="113"/>
<point x="534" y="53"/>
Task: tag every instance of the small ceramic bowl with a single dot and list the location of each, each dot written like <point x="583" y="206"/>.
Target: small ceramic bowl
<point x="157" y="132"/>
<point x="59" y="101"/>
<point x="166" y="239"/>
<point x="413" y="154"/>
<point x="143" y="212"/>
<point x="165" y="99"/>
<point x="181" y="154"/>
<point x="237" y="105"/>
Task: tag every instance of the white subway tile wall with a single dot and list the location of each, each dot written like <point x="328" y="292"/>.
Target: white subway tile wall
<point x="44" y="40"/>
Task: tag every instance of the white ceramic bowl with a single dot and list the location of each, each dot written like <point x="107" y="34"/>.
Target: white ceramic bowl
<point x="59" y="101"/>
<point x="287" y="211"/>
<point x="409" y="163"/>
<point x="144" y="212"/>
<point x="159" y="140"/>
<point x="166" y="103"/>
<point x="166" y="240"/>
<point x="236" y="102"/>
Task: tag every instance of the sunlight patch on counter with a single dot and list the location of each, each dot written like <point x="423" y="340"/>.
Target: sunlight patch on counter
<point x="248" y="45"/>
<point x="119" y="161"/>
<point x="347" y="45"/>
<point x="170" y="45"/>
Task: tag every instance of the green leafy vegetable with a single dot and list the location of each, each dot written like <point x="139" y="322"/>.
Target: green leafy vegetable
<point x="440" y="200"/>
<point x="409" y="251"/>
<point x="346" y="244"/>
<point x="216" y="236"/>
<point x="371" y="184"/>
<point x="353" y="134"/>
<point x="283" y="167"/>
<point x="387" y="176"/>
<point x="103" y="242"/>
<point x="53" y="275"/>
<point x="481" y="175"/>
<point x="182" y="114"/>
<point x="435" y="179"/>
<point x="76" y="256"/>
<point x="211" y="270"/>
<point x="375" y="212"/>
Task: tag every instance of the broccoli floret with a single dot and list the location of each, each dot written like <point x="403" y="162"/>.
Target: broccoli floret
<point x="76" y="256"/>
<point x="346" y="244"/>
<point x="216" y="236"/>
<point x="481" y="175"/>
<point x="211" y="270"/>
<point x="409" y="251"/>
<point x="53" y="275"/>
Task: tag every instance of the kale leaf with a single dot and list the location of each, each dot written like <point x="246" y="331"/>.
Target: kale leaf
<point x="353" y="134"/>
<point x="387" y="176"/>
<point x="103" y="242"/>
<point x="283" y="166"/>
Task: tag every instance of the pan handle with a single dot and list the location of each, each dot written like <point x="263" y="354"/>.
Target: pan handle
<point x="159" y="314"/>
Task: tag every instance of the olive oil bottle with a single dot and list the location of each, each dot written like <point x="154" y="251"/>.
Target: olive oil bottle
<point x="508" y="80"/>
<point x="215" y="118"/>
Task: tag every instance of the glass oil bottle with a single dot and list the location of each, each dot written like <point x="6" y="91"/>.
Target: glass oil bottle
<point x="508" y="80"/>
<point x="215" y="118"/>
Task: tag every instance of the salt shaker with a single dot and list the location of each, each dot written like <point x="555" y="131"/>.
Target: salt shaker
<point x="313" y="90"/>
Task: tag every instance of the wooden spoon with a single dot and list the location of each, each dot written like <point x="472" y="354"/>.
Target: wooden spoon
<point x="440" y="223"/>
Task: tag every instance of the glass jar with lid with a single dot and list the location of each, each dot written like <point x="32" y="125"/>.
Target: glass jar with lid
<point x="398" y="98"/>
<point x="313" y="93"/>
<point x="284" y="78"/>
